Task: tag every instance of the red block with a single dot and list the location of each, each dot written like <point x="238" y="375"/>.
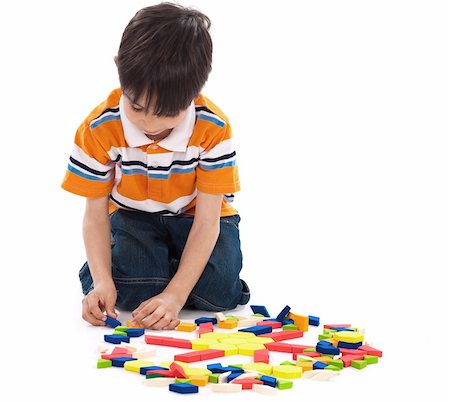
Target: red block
<point x="205" y="328"/>
<point x="273" y="324"/>
<point x="247" y="383"/>
<point x="111" y="355"/>
<point x="177" y="370"/>
<point x="164" y="373"/>
<point x="279" y="347"/>
<point x="310" y="354"/>
<point x="156" y="340"/>
<point x="178" y="343"/>
<point x="347" y="359"/>
<point x="284" y="335"/>
<point x="211" y="354"/>
<point x="355" y="352"/>
<point x="370" y="351"/>
<point x="331" y="326"/>
<point x="300" y="348"/>
<point x="261" y="356"/>
<point x="118" y="350"/>
<point x="189" y="357"/>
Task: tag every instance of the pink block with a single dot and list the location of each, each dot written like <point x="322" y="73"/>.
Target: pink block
<point x="273" y="324"/>
<point x="284" y="335"/>
<point x="261" y="356"/>
<point x="371" y="351"/>
<point x="347" y="359"/>
<point x="331" y="326"/>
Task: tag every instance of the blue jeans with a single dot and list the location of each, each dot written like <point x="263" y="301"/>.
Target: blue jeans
<point x="146" y="252"/>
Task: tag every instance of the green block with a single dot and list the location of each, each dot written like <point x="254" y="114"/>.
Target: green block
<point x="150" y="375"/>
<point x="331" y="367"/>
<point x="325" y="336"/>
<point x="237" y="365"/>
<point x="288" y="327"/>
<point x="354" y="329"/>
<point x="258" y="315"/>
<point x="214" y="378"/>
<point x="183" y="381"/>
<point x="119" y="333"/>
<point x="303" y="359"/>
<point x="310" y="350"/>
<point x="326" y="331"/>
<point x="287" y="363"/>
<point x="231" y="317"/>
<point x="359" y="364"/>
<point x="102" y="363"/>
<point x="371" y="359"/>
<point x="120" y="328"/>
<point x="337" y="363"/>
<point x="284" y="384"/>
<point x="332" y="330"/>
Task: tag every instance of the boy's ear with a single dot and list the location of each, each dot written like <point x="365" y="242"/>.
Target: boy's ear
<point x="116" y="58"/>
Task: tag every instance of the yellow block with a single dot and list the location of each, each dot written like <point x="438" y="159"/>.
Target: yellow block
<point x="286" y="371"/>
<point x="348" y="336"/>
<point x="248" y="349"/>
<point x="202" y="344"/>
<point x="260" y="367"/>
<point x="167" y="364"/>
<point x="227" y="324"/>
<point x="301" y="321"/>
<point x="135" y="365"/>
<point x="324" y="359"/>
<point x="306" y="366"/>
<point x="199" y="380"/>
<point x="129" y="325"/>
<point x="259" y="339"/>
<point x="229" y="349"/>
<point x="240" y="334"/>
<point x="186" y="326"/>
<point x="196" y="371"/>
<point x="233" y="341"/>
<point x="213" y="335"/>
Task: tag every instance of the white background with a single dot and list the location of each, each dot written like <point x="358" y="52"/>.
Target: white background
<point x="340" y="114"/>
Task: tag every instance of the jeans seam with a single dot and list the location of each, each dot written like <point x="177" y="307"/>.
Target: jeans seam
<point x="131" y="281"/>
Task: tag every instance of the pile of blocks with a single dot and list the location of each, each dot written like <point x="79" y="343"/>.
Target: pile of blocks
<point x="339" y="346"/>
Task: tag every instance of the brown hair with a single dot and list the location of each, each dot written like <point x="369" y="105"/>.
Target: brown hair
<point x="165" y="52"/>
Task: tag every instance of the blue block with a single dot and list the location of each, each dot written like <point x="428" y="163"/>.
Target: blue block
<point x="232" y="376"/>
<point x="348" y="345"/>
<point x="343" y="329"/>
<point x="116" y="339"/>
<point x="135" y="332"/>
<point x="218" y="368"/>
<point x="287" y="321"/>
<point x="319" y="365"/>
<point x="120" y="361"/>
<point x="184" y="388"/>
<point x="314" y="320"/>
<point x="283" y="313"/>
<point x="143" y="370"/>
<point x="327" y="348"/>
<point x="260" y="310"/>
<point x="268" y="380"/>
<point x="112" y="322"/>
<point x="257" y="329"/>
<point x="202" y="320"/>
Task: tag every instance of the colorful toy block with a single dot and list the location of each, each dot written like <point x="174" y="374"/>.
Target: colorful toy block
<point x="371" y="351"/>
<point x="202" y="320"/>
<point x="288" y="327"/>
<point x="186" y="326"/>
<point x="287" y="371"/>
<point x="112" y="322"/>
<point x="247" y="383"/>
<point x="261" y="356"/>
<point x="319" y="365"/>
<point x="145" y="369"/>
<point x="103" y="363"/>
<point x="260" y="367"/>
<point x="270" y="323"/>
<point x="285" y="335"/>
<point x="189" y="357"/>
<point x="134" y="332"/>
<point x="371" y="359"/>
<point x="183" y="388"/>
<point x="248" y="349"/>
<point x="226" y="387"/>
<point x="257" y="329"/>
<point x="159" y="382"/>
<point x="135" y="325"/>
<point x="268" y="380"/>
<point x="177" y="370"/>
<point x="260" y="310"/>
<point x="116" y="339"/>
<point x="205" y="328"/>
<point x="315" y="321"/>
<point x="220" y="317"/>
<point x="264" y="389"/>
<point x="300" y="321"/>
<point x="120" y="361"/>
<point x="337" y="326"/>
<point x="325" y="347"/>
<point x="284" y="384"/>
<point x="359" y="364"/>
<point x="199" y="380"/>
<point x="348" y="345"/>
<point x="348" y="336"/>
<point x="283" y="313"/>
<point x="228" y="324"/>
<point x="306" y="366"/>
<point x="347" y="359"/>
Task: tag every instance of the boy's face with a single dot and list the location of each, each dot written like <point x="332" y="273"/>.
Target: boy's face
<point x="151" y="125"/>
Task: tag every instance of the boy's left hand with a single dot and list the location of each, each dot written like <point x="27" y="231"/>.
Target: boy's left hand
<point x="159" y="312"/>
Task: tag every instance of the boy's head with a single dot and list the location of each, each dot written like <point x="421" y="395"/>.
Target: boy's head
<point x="165" y="58"/>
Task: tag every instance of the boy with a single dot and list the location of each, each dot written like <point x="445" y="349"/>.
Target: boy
<point x="156" y="163"/>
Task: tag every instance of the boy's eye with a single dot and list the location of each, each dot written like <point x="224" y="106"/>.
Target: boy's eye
<point x="136" y="109"/>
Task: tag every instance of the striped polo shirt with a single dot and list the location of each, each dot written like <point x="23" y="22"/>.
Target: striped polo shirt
<point x="112" y="157"/>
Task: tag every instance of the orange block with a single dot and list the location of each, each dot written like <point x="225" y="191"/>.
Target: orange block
<point x="130" y="325"/>
<point x="306" y="366"/>
<point x="199" y="380"/>
<point x="324" y="359"/>
<point x="301" y="321"/>
<point x="227" y="324"/>
<point x="186" y="326"/>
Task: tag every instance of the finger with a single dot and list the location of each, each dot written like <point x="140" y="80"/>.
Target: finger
<point x="153" y="318"/>
<point x="87" y="315"/>
<point x="173" y="324"/>
<point x="145" y="311"/>
<point x="162" y="322"/>
<point x="94" y="308"/>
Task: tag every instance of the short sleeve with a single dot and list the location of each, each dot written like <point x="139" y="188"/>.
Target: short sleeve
<point x="217" y="172"/>
<point x="90" y="172"/>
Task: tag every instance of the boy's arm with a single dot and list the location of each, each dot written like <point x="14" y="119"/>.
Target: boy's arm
<point x="161" y="311"/>
<point x="97" y="240"/>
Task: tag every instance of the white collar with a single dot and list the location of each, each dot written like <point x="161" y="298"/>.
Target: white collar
<point x="177" y="140"/>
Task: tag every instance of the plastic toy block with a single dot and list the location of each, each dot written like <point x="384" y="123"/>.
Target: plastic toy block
<point x="214" y="336"/>
<point x="283" y="313"/>
<point x="241" y="334"/>
<point x="135" y="332"/>
<point x="279" y="347"/>
<point x="306" y="366"/>
<point x="226" y="387"/>
<point x="213" y="378"/>
<point x="103" y="363"/>
<point x="264" y="389"/>
<point x="287" y="321"/>
<point x="301" y="321"/>
<point x="109" y="356"/>
<point x="260" y="340"/>
<point x="356" y="352"/>
<point x="112" y="322"/>
<point x="189" y="357"/>
<point x="131" y="325"/>
<point x="347" y="359"/>
<point x="284" y="384"/>
<point x="309" y="354"/>
<point x="337" y="325"/>
<point x="264" y="368"/>
<point x="285" y="335"/>
<point x="183" y="388"/>
<point x="343" y="329"/>
<point x="118" y="350"/>
<point x="319" y="365"/>
<point x="121" y="328"/>
<point x="247" y="383"/>
<point x="371" y="351"/>
<point x="258" y="315"/>
<point x="159" y="382"/>
<point x="248" y="349"/>
<point x="223" y="377"/>
<point x="371" y="359"/>
<point x="287" y="371"/>
<point x="178" y="343"/>
<point x="268" y="380"/>
<point x="331" y="367"/>
<point x="336" y="363"/>
<point x="121" y="333"/>
<point x="313" y="349"/>
<point x="161" y="373"/>
<point x="348" y="345"/>
<point x="348" y="336"/>
<point x="269" y="323"/>
<point x="324" y="359"/>
<point x="144" y="354"/>
<point x="359" y="364"/>
<point x="315" y="321"/>
<point x="202" y="320"/>
<point x="183" y="381"/>
<point x="324" y="336"/>
<point x="212" y="354"/>
<point x="202" y="343"/>
<point x="199" y="380"/>
<point x="186" y="326"/>
<point x="253" y="375"/>
<point x="154" y="374"/>
<point x="205" y="328"/>
<point x="177" y="370"/>
<point x="260" y="310"/>
<point x="155" y="340"/>
<point x="234" y="341"/>
<point x="225" y="348"/>
<point x="190" y="371"/>
<point x="320" y="375"/>
<point x="231" y="317"/>
<point x="220" y="317"/>
<point x="130" y="348"/>
<point x="261" y="356"/>
<point x="248" y="322"/>
<point x="287" y="363"/>
<point x="145" y="369"/>
<point x="135" y="365"/>
<point x="120" y="361"/>
<point x="288" y="327"/>
<point x="116" y="339"/>
<point x="325" y="347"/>
<point x="233" y="376"/>
<point x="228" y="324"/>
<point x="218" y="368"/>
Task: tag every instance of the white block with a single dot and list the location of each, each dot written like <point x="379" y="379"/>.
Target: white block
<point x="226" y="387"/>
<point x="220" y="316"/>
<point x="264" y="389"/>
<point x="245" y="376"/>
<point x="325" y="375"/>
<point x="159" y="382"/>
<point x="223" y="377"/>
<point x="144" y="354"/>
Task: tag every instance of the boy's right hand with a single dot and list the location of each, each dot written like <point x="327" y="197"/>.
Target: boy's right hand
<point x="99" y="301"/>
